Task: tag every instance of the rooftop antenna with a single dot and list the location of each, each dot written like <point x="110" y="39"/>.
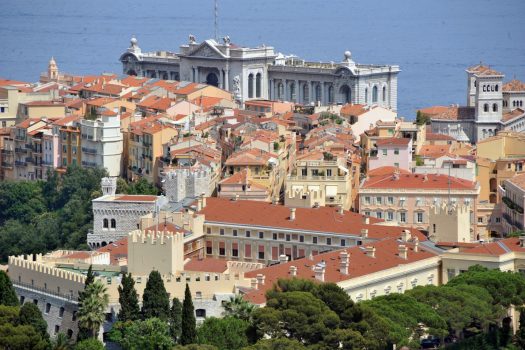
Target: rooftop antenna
<point x="216" y="25"/>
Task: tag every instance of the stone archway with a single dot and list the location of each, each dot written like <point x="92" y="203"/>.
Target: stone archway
<point x="131" y="72"/>
<point x="212" y="79"/>
<point x="346" y="94"/>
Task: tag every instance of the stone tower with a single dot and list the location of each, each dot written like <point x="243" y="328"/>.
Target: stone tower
<point x="489" y="97"/>
<point x="52" y="70"/>
<point x="109" y="186"/>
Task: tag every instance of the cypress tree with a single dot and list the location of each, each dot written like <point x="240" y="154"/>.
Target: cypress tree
<point x="520" y="334"/>
<point x="155" y="301"/>
<point x="7" y="292"/>
<point x="189" y="333"/>
<point x="176" y="319"/>
<point x="84" y="333"/>
<point x="128" y="299"/>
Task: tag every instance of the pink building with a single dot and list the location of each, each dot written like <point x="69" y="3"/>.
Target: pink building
<point x="395" y="152"/>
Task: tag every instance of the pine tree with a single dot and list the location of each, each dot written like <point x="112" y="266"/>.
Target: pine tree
<point x="155" y="301"/>
<point x="30" y="315"/>
<point x="84" y="333"/>
<point x="189" y="332"/>
<point x="7" y="292"/>
<point x="176" y="319"/>
<point x="128" y="299"/>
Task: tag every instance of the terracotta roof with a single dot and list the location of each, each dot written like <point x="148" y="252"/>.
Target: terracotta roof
<point x="240" y="178"/>
<point x="135" y="198"/>
<point x="434" y="110"/>
<point x="250" y="157"/>
<point x="353" y="110"/>
<point x="386" y="170"/>
<point x="419" y="181"/>
<point x="206" y="265"/>
<point x="116" y="250"/>
<point x="322" y="219"/>
<point x="511" y="115"/>
<point x="481" y="69"/>
<point x="155" y="102"/>
<point x="430" y="136"/>
<point x="456" y="113"/>
<point x="100" y="101"/>
<point x="518" y="180"/>
<point x="7" y="82"/>
<point x="393" y="141"/>
<point x="514" y="85"/>
<point x="66" y="120"/>
<point x="434" y="151"/>
<point x="360" y="264"/>
<point x="43" y="103"/>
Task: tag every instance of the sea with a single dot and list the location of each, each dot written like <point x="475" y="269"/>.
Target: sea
<point x="433" y="41"/>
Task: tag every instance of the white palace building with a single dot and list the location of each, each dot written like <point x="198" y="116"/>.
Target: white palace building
<point x="261" y="73"/>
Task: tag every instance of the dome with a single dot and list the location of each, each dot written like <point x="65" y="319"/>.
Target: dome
<point x="348" y="55"/>
<point x="133" y="41"/>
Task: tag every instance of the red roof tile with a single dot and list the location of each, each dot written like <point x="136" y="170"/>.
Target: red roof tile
<point x="206" y="265"/>
<point x="417" y="181"/>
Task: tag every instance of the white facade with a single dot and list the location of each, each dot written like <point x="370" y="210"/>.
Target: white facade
<point x="188" y="182"/>
<point x="102" y="144"/>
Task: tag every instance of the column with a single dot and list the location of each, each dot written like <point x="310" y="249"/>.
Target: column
<point x="272" y="90"/>
<point x="221" y="79"/>
<point x="322" y="93"/>
<point x="296" y="90"/>
<point x="311" y="91"/>
<point x="254" y="85"/>
<point x="227" y="79"/>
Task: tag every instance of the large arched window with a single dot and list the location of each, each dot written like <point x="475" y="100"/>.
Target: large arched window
<point x="306" y="93"/>
<point x="113" y="223"/>
<point x="494" y="107"/>
<point x="346" y="94"/>
<point x="280" y="91"/>
<point x="497" y="87"/>
<point x="318" y="92"/>
<point x="366" y="95"/>
<point x="384" y="93"/>
<point x="330" y="94"/>
<point x="293" y="92"/>
<point x="374" y="94"/>
<point x="486" y="107"/>
<point x="258" y="87"/>
<point x="105" y="223"/>
<point x="250" y="85"/>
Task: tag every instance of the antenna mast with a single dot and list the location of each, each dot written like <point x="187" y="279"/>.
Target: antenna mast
<point x="216" y="25"/>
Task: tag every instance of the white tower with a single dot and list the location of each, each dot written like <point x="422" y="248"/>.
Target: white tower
<point x="109" y="186"/>
<point x="489" y="97"/>
<point x="52" y="70"/>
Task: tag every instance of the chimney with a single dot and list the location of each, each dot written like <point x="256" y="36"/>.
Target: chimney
<point x="364" y="233"/>
<point x="260" y="279"/>
<point x="416" y="244"/>
<point x="395" y="175"/>
<point x="340" y="209"/>
<point x="319" y="272"/>
<point x="405" y="235"/>
<point x="203" y="196"/>
<point x="283" y="259"/>
<point x="293" y="271"/>
<point x="370" y="251"/>
<point x="275" y="200"/>
<point x="425" y="178"/>
<point x="236" y="197"/>
<point x="366" y="220"/>
<point x="254" y="283"/>
<point x="403" y="251"/>
<point x="199" y="204"/>
<point x="345" y="261"/>
<point x="292" y="214"/>
<point x="522" y="241"/>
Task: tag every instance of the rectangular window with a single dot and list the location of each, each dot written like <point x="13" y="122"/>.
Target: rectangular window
<point x="234" y="233"/>
<point x="235" y="252"/>
<point x="419" y="217"/>
<point x="248" y="234"/>
<point x="391" y="200"/>
<point x="328" y="241"/>
<point x="209" y="250"/>
<point x="261" y="235"/>
<point x="379" y="200"/>
<point x="480" y="219"/>
<point x="314" y="240"/>
<point x="261" y="255"/>
<point x="287" y="238"/>
<point x="328" y="172"/>
<point x="403" y="217"/>
<point x="208" y="230"/>
<point x="301" y="238"/>
<point x="274" y="236"/>
<point x="396" y="151"/>
<point x="367" y="200"/>
<point x="343" y="243"/>
<point x="221" y="232"/>
<point x="222" y="251"/>
<point x="367" y="213"/>
<point x="64" y="149"/>
<point x="385" y="152"/>
<point x="379" y="214"/>
<point x="451" y="273"/>
<point x="390" y="216"/>
<point x="48" y="308"/>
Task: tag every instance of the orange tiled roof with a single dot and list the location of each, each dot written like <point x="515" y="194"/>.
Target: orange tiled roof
<point x="430" y="136"/>
<point x="386" y="170"/>
<point x="136" y="197"/>
<point x="116" y="250"/>
<point x="206" y="265"/>
<point x="353" y="109"/>
<point x="250" y="157"/>
<point x="481" y="69"/>
<point x="360" y="264"/>
<point x="518" y="180"/>
<point x="418" y="181"/>
<point x="393" y="141"/>
<point x="514" y="85"/>
<point x="322" y="219"/>
<point x="434" y="110"/>
<point x="434" y="151"/>
<point x="511" y="115"/>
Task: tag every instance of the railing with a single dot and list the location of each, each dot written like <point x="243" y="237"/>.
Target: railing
<point x="316" y="178"/>
<point x="30" y="160"/>
<point x="7" y="151"/>
<point x="89" y="150"/>
<point x="20" y="163"/>
<point x="509" y="203"/>
<point x="69" y="297"/>
<point x="20" y="150"/>
<point x="7" y="164"/>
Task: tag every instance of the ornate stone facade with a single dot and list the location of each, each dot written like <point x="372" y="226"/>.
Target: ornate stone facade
<point x="261" y="73"/>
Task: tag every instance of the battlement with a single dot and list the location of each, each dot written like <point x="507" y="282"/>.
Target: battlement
<point x="21" y="262"/>
<point x="153" y="237"/>
<point x="304" y="199"/>
<point x="240" y="267"/>
<point x="452" y="209"/>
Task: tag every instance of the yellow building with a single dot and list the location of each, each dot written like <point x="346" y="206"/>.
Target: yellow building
<point x="40" y="110"/>
<point x="506" y="144"/>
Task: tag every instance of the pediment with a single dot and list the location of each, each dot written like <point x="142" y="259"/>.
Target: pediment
<point x="206" y="50"/>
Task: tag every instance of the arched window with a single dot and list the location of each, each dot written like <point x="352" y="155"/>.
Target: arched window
<point x="384" y="93"/>
<point x="250" y="85"/>
<point x="497" y="87"/>
<point x="494" y="107"/>
<point x="521" y="103"/>
<point x="486" y="107"/>
<point x="374" y="94"/>
<point x="105" y="223"/>
<point x="366" y="95"/>
<point x="280" y="91"/>
<point x="318" y="92"/>
<point x="346" y="94"/>
<point x="293" y="96"/>
<point x="475" y="83"/>
<point x="330" y="94"/>
<point x="113" y="223"/>
<point x="513" y="103"/>
<point x="258" y="87"/>
<point x="306" y="93"/>
<point x="484" y="132"/>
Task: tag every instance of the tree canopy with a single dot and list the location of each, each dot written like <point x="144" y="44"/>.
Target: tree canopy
<point x="227" y="333"/>
<point x="189" y="334"/>
<point x="128" y="299"/>
<point x="152" y="333"/>
<point x="7" y="292"/>
<point x="155" y="300"/>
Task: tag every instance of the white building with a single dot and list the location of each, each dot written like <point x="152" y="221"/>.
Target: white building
<point x="102" y="143"/>
<point x="188" y="182"/>
<point x="261" y="73"/>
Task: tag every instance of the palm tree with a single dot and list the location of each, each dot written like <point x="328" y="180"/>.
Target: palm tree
<point x="91" y="313"/>
<point x="238" y="307"/>
<point x="61" y="342"/>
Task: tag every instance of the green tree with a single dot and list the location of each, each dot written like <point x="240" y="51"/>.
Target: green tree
<point x="277" y="344"/>
<point x="30" y="315"/>
<point x="128" y="299"/>
<point x="89" y="344"/>
<point x="91" y="312"/>
<point x="176" y="319"/>
<point x="16" y="336"/>
<point x="227" y="333"/>
<point x="7" y="292"/>
<point x="83" y="332"/>
<point x="142" y="186"/>
<point x="155" y="300"/>
<point x="238" y="307"/>
<point x="152" y="333"/>
<point x="422" y="118"/>
<point x="519" y="338"/>
<point x="195" y="347"/>
<point x="189" y="334"/>
<point x="61" y="342"/>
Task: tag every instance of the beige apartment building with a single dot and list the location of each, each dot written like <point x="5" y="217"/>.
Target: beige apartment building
<point x="13" y="93"/>
<point x="405" y="199"/>
<point x="320" y="179"/>
<point x="512" y="193"/>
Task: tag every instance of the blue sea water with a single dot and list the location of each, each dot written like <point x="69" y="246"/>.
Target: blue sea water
<point x="432" y="40"/>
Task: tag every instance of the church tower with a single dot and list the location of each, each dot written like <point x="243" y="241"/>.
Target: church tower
<point x="52" y="70"/>
<point x="489" y="97"/>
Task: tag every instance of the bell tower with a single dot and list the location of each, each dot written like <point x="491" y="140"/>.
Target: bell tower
<point x="52" y="70"/>
<point x="489" y="97"/>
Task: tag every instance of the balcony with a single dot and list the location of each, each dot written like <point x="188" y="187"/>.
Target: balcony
<point x="20" y="163"/>
<point x="7" y="165"/>
<point x="7" y="151"/>
<point x="316" y="178"/>
<point x="21" y="150"/>
<point x="30" y="160"/>
<point x="513" y="206"/>
<point x="89" y="150"/>
<point x="69" y="297"/>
